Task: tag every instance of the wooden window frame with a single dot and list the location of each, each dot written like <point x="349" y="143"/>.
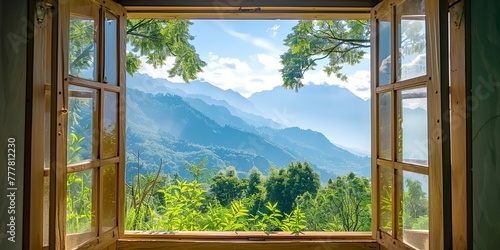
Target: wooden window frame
<point x="438" y="125"/>
<point x="357" y="239"/>
<point x="59" y="71"/>
<point x="59" y="93"/>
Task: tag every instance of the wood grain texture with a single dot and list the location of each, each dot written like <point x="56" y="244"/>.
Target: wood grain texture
<point x="458" y="130"/>
<point x="374" y="124"/>
<point x="277" y="236"/>
<point x="41" y="73"/>
<point x="59" y="121"/>
<point x="388" y="242"/>
<point x="243" y="245"/>
<point x="234" y="12"/>
<point x="437" y="94"/>
<point x="121" y="122"/>
<point x="334" y="15"/>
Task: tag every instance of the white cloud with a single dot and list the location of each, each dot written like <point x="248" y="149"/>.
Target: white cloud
<point x="265" y="44"/>
<point x="358" y="83"/>
<point x="232" y="73"/>
<point x="212" y="56"/>
<point x="159" y="72"/>
<point x="236" y="74"/>
<point x="274" y="30"/>
<point x="237" y="34"/>
<point x="271" y="63"/>
<point x="258" y="42"/>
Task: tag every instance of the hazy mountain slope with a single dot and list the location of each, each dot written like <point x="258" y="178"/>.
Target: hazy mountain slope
<point x="163" y="121"/>
<point x="340" y="115"/>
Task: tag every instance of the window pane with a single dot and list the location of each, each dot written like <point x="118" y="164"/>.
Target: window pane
<point x="46" y="207"/>
<point x="80" y="215"/>
<point x="82" y="45"/>
<point x="81" y="118"/>
<point x="385" y="129"/>
<point x="110" y="132"/>
<point x="384" y="47"/>
<point x="110" y="49"/>
<point x="412" y="126"/>
<point x="109" y="197"/>
<point x="385" y="198"/>
<point x="46" y="147"/>
<point x="412" y="60"/>
<point x="414" y="229"/>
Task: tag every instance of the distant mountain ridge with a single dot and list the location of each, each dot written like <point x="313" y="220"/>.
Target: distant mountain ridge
<point x="171" y="128"/>
<point x="340" y="115"/>
<point x="191" y="122"/>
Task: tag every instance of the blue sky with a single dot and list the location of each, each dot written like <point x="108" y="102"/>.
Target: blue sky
<point x="243" y="55"/>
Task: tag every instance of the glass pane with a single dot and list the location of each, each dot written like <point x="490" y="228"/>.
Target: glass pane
<point x="412" y="126"/>
<point x="109" y="197"/>
<point x="82" y="39"/>
<point x="110" y="133"/>
<point x="411" y="41"/>
<point x="110" y="49"/>
<point x="46" y="207"/>
<point x="80" y="215"/>
<point x="385" y="130"/>
<point x="46" y="147"/>
<point x="385" y="198"/>
<point x="414" y="226"/>
<point x="384" y="50"/>
<point x="81" y="119"/>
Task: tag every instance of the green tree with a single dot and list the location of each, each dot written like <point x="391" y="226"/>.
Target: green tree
<point x="300" y="179"/>
<point x="415" y="204"/>
<point x="275" y="185"/>
<point x="351" y="196"/>
<point x="199" y="172"/>
<point x="226" y="186"/>
<point x="341" y="41"/>
<point x="157" y="39"/>
<point x="154" y="39"/>
<point x="254" y="181"/>
<point x="256" y="190"/>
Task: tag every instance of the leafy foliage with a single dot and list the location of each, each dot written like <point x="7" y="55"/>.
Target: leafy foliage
<point x="226" y="186"/>
<point x="343" y="204"/>
<point x="415" y="206"/>
<point x="79" y="215"/>
<point x="157" y="39"/>
<point x="81" y="46"/>
<point x="341" y="41"/>
<point x="351" y="197"/>
<point x="295" y="222"/>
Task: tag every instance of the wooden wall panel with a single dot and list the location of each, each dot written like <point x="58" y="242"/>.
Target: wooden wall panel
<point x="15" y="33"/>
<point x="484" y="104"/>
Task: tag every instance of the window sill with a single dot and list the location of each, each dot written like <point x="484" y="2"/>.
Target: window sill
<point x="246" y="240"/>
<point x="255" y="236"/>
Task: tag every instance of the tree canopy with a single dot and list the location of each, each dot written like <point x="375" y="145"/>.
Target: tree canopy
<point x="341" y="41"/>
<point x="157" y="39"/>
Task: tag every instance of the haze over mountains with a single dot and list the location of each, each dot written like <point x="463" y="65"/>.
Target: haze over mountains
<point x="189" y="122"/>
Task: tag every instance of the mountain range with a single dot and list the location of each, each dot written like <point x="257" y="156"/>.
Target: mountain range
<point x="182" y="123"/>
